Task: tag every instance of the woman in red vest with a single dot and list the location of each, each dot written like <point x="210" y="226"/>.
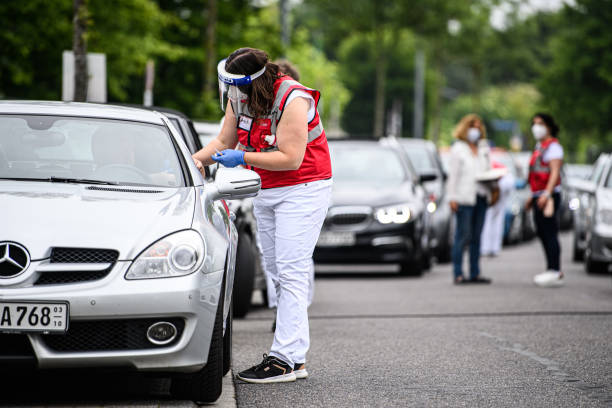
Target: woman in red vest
<point x="545" y="183"/>
<point x="273" y="122"/>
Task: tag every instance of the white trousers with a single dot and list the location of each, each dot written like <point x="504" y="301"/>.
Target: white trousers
<point x="289" y="220"/>
<point x="492" y="235"/>
<point x="493" y="230"/>
<point x="271" y="289"/>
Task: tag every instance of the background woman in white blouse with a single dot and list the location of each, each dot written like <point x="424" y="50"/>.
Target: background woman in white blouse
<point x="469" y="157"/>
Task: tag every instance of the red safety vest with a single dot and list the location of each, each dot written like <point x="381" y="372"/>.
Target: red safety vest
<point x="259" y="135"/>
<point x="539" y="170"/>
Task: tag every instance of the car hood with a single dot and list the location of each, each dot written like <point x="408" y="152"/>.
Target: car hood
<point x="372" y="195"/>
<point x="40" y="216"/>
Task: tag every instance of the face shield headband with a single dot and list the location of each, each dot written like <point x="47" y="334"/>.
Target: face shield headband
<point x="229" y="83"/>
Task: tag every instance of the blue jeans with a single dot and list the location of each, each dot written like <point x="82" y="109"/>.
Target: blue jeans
<point x="470" y="220"/>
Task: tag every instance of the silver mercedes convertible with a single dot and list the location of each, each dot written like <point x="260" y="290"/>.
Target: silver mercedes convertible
<point x="114" y="251"/>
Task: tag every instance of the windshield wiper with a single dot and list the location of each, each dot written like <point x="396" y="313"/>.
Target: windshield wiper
<point x="62" y="180"/>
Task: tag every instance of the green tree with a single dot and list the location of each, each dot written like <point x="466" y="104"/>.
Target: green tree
<point x="34" y="34"/>
<point x="577" y="84"/>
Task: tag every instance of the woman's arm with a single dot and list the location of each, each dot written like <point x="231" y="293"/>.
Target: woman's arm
<point x="454" y="169"/>
<point x="227" y="139"/>
<point x="291" y="139"/>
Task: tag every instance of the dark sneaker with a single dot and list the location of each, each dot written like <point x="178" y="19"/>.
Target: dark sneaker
<point x="480" y="279"/>
<point x="270" y="370"/>
<point x="300" y="371"/>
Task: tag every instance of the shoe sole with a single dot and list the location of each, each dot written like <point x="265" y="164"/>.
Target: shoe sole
<point x="301" y="374"/>
<point x="278" y="379"/>
<point x="549" y="284"/>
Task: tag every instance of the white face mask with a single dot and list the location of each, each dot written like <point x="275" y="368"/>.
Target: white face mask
<point x="473" y="135"/>
<point x="539" y="131"/>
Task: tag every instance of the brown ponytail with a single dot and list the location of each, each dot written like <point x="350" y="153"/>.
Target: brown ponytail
<point x="247" y="61"/>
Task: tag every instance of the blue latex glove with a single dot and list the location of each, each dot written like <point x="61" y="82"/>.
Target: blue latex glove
<point x="229" y="157"/>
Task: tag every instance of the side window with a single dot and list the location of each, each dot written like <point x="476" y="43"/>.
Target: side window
<point x="601" y="165"/>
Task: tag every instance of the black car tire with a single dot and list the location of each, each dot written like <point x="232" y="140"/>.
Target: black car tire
<point x="444" y="253"/>
<point x="591" y="266"/>
<point x="227" y="341"/>
<point x="205" y="385"/>
<point x="577" y="253"/>
<point x="245" y="275"/>
<point x="414" y="266"/>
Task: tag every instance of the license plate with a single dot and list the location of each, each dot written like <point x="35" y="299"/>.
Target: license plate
<point x="329" y="239"/>
<point x="45" y="317"/>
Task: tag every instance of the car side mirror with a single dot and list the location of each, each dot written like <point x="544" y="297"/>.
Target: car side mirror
<point x="424" y="177"/>
<point x="234" y="184"/>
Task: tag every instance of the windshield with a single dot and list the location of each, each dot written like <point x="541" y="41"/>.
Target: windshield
<point x="421" y="160"/>
<point x="371" y="164"/>
<point x="105" y="150"/>
<point x="580" y="171"/>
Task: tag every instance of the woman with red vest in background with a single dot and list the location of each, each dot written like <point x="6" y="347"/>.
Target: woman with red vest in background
<point x="274" y="123"/>
<point x="545" y="182"/>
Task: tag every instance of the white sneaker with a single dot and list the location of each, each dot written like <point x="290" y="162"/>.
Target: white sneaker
<point x="300" y="371"/>
<point x="549" y="279"/>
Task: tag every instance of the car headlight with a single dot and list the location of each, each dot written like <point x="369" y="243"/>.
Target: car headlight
<point x="604" y="216"/>
<point x="396" y="214"/>
<point x="178" y="254"/>
<point x="432" y="207"/>
<point x="574" y="204"/>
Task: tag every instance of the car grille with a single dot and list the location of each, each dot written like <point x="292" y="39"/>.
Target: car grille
<point x="348" y="219"/>
<point x="109" y="335"/>
<point x="83" y="255"/>
<point x="78" y="255"/>
<point x="58" y="278"/>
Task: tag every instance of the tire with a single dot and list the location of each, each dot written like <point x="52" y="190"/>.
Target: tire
<point x="444" y="254"/>
<point x="592" y="266"/>
<point x="415" y="266"/>
<point x="412" y="268"/>
<point x="245" y="275"/>
<point x="205" y="385"/>
<point x="227" y="341"/>
<point x="577" y="253"/>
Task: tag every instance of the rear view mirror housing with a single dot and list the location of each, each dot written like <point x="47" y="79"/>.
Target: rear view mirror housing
<point x="234" y="184"/>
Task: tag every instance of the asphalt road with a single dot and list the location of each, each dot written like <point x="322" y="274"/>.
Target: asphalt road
<point x="383" y="340"/>
<point x="378" y="339"/>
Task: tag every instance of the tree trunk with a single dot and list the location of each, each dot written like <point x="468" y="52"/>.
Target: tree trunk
<point x="210" y="55"/>
<point x="379" y="98"/>
<point x="79" y="48"/>
<point x="437" y="102"/>
<point x="477" y="70"/>
<point x="284" y="23"/>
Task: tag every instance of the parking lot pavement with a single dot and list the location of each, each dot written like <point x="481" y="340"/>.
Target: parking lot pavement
<point x="385" y="340"/>
<point x="378" y="339"/>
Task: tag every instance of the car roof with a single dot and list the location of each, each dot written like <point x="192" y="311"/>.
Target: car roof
<point x="412" y="141"/>
<point x="207" y="127"/>
<point x="357" y="142"/>
<point x="79" y="109"/>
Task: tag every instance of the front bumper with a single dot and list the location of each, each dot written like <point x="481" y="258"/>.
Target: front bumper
<point x="192" y="299"/>
<point x="394" y="244"/>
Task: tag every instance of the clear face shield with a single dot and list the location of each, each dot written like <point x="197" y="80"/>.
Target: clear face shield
<point x="229" y="86"/>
